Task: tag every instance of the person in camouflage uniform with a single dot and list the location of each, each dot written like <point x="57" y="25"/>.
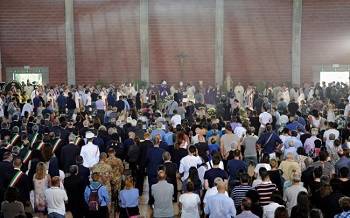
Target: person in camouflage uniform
<point x="105" y="172"/>
<point x="117" y="172"/>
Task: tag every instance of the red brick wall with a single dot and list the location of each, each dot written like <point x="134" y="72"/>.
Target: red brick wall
<point x="177" y="26"/>
<point x="32" y="33"/>
<point x="325" y="34"/>
<point x="107" y="40"/>
<point x="258" y="36"/>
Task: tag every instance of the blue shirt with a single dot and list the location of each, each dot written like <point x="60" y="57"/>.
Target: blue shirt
<point x="293" y="126"/>
<point x="269" y="146"/>
<point x="102" y="193"/>
<point x="129" y="198"/>
<point x="345" y="214"/>
<point x="342" y="162"/>
<point x="212" y="132"/>
<point x="158" y="132"/>
<point x="294" y="141"/>
<point x="126" y="105"/>
<point x="168" y="138"/>
<point x="220" y="205"/>
<point x="153" y="160"/>
<point x="234" y="166"/>
<point x="61" y="101"/>
<point x="36" y="102"/>
<point x="213" y="148"/>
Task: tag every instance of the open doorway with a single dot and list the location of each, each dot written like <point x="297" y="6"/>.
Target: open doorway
<point x="28" y="77"/>
<point x="334" y="76"/>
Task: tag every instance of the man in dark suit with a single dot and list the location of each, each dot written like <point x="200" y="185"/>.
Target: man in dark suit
<point x="69" y="153"/>
<point x="75" y="187"/>
<point x="144" y="146"/>
<point x="120" y="104"/>
<point x="22" y="183"/>
<point x="83" y="172"/>
<point x="171" y="172"/>
<point x="6" y="172"/>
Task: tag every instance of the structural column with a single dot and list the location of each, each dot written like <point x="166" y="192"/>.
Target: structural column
<point x="70" y="48"/>
<point x="219" y="42"/>
<point x="144" y="42"/>
<point x="296" y="43"/>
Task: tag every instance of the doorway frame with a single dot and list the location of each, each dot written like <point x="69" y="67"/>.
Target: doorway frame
<point x="43" y="70"/>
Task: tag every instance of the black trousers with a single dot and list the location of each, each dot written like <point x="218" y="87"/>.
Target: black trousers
<point x="140" y="179"/>
<point x="101" y="213"/>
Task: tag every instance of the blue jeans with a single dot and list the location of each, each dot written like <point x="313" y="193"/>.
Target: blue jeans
<point x="55" y="215"/>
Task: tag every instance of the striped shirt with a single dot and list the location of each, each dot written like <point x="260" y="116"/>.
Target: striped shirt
<point x="265" y="190"/>
<point x="238" y="193"/>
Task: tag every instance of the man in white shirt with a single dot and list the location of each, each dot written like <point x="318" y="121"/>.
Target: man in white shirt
<point x="264" y="118"/>
<point x="27" y="107"/>
<point x="90" y="152"/>
<point x="269" y="210"/>
<point x="175" y="119"/>
<point x="55" y="199"/>
<point x="86" y="99"/>
<point x="331" y="130"/>
<point x="191" y="160"/>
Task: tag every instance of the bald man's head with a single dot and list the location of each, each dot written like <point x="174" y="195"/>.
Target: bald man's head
<point x="221" y="186"/>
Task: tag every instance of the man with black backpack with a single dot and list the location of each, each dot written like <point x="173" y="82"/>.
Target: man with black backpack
<point x="97" y="198"/>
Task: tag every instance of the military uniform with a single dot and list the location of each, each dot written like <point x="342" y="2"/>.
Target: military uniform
<point x="105" y="171"/>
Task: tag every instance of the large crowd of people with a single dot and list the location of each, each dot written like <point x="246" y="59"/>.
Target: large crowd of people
<point x="246" y="152"/>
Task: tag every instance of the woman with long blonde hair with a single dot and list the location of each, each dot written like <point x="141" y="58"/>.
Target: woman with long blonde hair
<point x="41" y="181"/>
<point x="129" y="199"/>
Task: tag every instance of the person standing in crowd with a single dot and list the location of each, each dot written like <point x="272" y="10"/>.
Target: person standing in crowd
<point x="249" y="144"/>
<point x="191" y="160"/>
<point x="97" y="198"/>
<point x="171" y="172"/>
<point x="90" y="152"/>
<point x="276" y="202"/>
<point x="74" y="186"/>
<point x="239" y="191"/>
<point x="246" y="209"/>
<point x="302" y="206"/>
<point x="269" y="142"/>
<point x="116" y="174"/>
<point x="154" y="158"/>
<point x="11" y="207"/>
<point x="61" y="103"/>
<point x="189" y="203"/>
<point x="264" y="119"/>
<point x="100" y="107"/>
<point x="129" y="199"/>
<point x="291" y="194"/>
<point x="214" y="172"/>
<point x="56" y="198"/>
<point x="6" y="171"/>
<point x="220" y="205"/>
<point x="42" y="181"/>
<point x="265" y="188"/>
<point x="162" y="193"/>
<point x="69" y="153"/>
<point x="345" y="206"/>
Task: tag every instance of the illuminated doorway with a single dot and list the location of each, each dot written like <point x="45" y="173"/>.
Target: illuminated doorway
<point x="31" y="77"/>
<point x="334" y="76"/>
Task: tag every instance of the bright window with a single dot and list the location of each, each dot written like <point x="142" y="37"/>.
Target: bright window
<point x="329" y="77"/>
